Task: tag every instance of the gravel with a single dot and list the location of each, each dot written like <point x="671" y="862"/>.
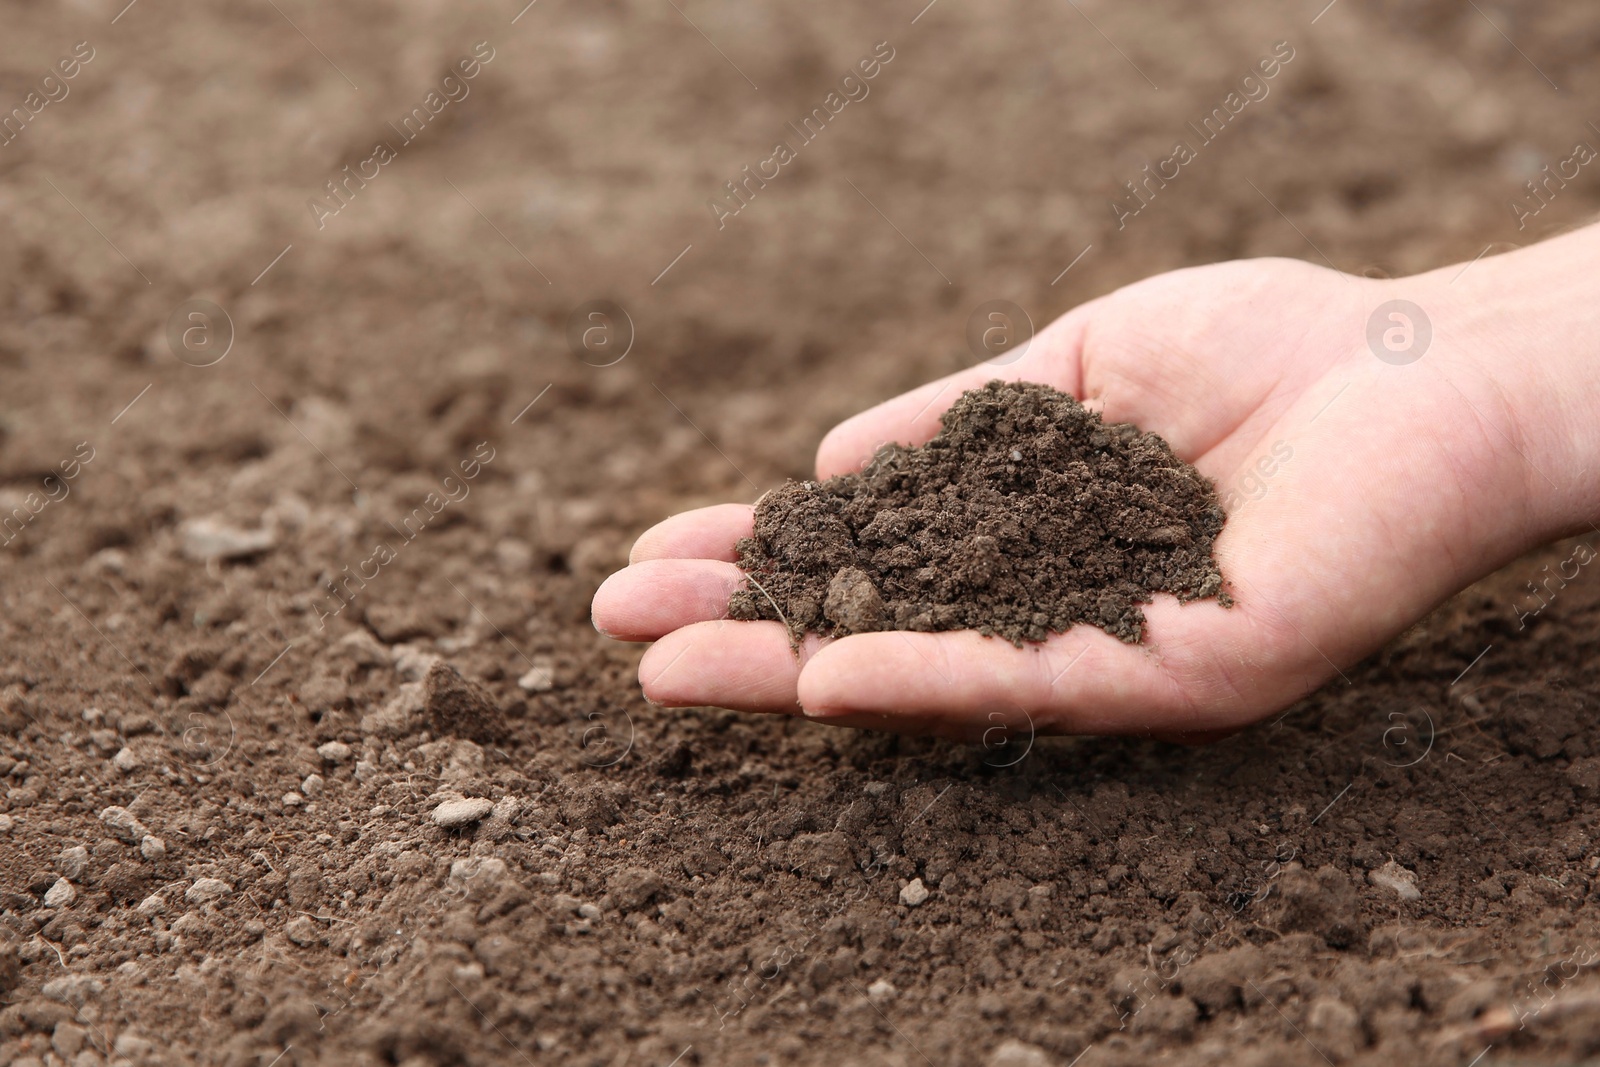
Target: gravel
<point x="454" y="814"/>
<point x="205" y="539"/>
<point x="206" y="890"/>
<point x="124" y="824"/>
<point x="334" y="751"/>
<point x="73" y="862"/>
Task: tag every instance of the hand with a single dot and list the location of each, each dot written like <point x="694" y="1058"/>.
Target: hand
<point x="1360" y="492"/>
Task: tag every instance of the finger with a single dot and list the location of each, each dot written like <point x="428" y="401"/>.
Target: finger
<point x="1082" y="682"/>
<point x="913" y="418"/>
<point x="704" y="533"/>
<point x="646" y="600"/>
<point x="748" y="666"/>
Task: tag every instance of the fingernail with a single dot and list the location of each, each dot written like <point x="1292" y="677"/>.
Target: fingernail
<point x="823" y="713"/>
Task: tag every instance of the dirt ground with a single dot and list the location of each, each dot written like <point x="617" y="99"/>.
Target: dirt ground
<point x="249" y="817"/>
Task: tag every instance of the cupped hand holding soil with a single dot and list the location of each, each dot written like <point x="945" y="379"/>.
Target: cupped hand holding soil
<point x="1024" y="516"/>
<point x="1361" y="492"/>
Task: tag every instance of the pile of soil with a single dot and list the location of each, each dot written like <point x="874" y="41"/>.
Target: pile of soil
<point x="1023" y="516"/>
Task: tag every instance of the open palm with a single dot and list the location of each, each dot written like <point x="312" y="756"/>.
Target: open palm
<point x="1350" y="483"/>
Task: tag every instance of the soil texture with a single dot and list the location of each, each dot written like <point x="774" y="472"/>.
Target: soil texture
<point x="244" y="822"/>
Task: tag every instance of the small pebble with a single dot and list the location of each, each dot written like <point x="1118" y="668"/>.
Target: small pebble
<point x="1397" y="878"/>
<point x="152" y="905"/>
<point x="67" y="1039"/>
<point x="540" y="679"/>
<point x="1014" y="1053"/>
<point x="205" y="890"/>
<point x="882" y="989"/>
<point x="479" y="870"/>
<point x="152" y="848"/>
<point x="205" y="539"/>
<point x="411" y="662"/>
<point x="293" y="800"/>
<point x="60" y="895"/>
<point x="914" y="893"/>
<point x="334" y="751"/>
<point x="123" y="823"/>
<point x="302" y="931"/>
<point x="125" y="761"/>
<point x="6" y="822"/>
<point x="312" y="786"/>
<point x="133" y="1047"/>
<point x="453" y="814"/>
<point x="73" y="862"/>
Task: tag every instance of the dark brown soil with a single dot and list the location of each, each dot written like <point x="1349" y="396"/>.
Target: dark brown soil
<point x="1023" y="516"/>
<point x="233" y="830"/>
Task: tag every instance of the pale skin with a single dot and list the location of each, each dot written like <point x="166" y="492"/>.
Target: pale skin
<point x="1406" y="483"/>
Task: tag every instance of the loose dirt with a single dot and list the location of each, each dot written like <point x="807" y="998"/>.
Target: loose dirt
<point x="285" y="846"/>
<point x="1022" y="516"/>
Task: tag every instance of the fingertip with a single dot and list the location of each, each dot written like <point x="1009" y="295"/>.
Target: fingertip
<point x="654" y="597"/>
<point x="703" y="533"/>
<point x="602" y="605"/>
<point x="748" y="666"/>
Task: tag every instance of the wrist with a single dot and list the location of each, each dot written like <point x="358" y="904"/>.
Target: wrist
<point x="1518" y="335"/>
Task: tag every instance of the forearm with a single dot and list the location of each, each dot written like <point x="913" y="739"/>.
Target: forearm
<point x="1529" y="323"/>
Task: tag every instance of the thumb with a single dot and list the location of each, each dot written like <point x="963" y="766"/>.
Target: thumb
<point x="1052" y="358"/>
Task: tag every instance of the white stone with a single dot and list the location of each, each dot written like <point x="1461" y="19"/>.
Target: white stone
<point x="73" y="862"/>
<point x="412" y="663"/>
<point x="151" y="905"/>
<point x="914" y="893"/>
<point x="479" y="875"/>
<point x="293" y="800"/>
<point x="205" y="539"/>
<point x="302" y="931"/>
<point x="394" y="717"/>
<point x="334" y="751"/>
<point x="152" y="848"/>
<point x="365" y="649"/>
<point x="206" y="890"/>
<point x="123" y="823"/>
<point x="453" y="814"/>
<point x="313" y="785"/>
<point x="6" y="823"/>
<point x="1397" y="878"/>
<point x="1014" y="1053"/>
<point x="882" y="989"/>
<point x="60" y="895"/>
<point x="541" y="678"/>
<point x="507" y="809"/>
<point x="125" y="761"/>
<point x="133" y="1047"/>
